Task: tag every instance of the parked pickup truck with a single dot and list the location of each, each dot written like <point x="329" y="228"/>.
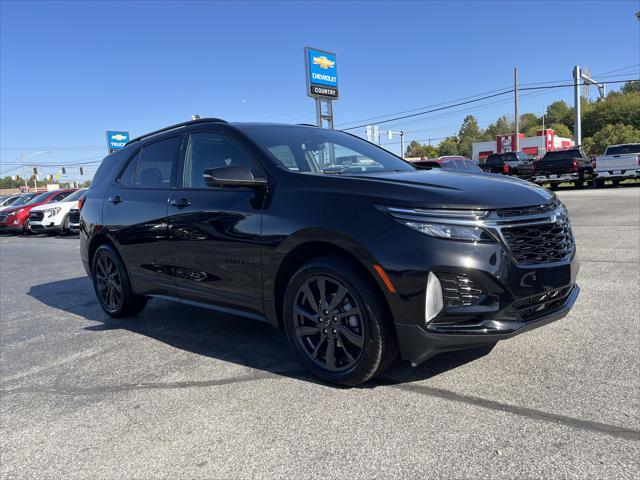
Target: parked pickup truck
<point x="559" y="166"/>
<point x="510" y="163"/>
<point x="619" y="162"/>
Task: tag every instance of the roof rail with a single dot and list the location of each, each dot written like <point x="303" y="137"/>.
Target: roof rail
<point x="307" y="125"/>
<point x="177" y="125"/>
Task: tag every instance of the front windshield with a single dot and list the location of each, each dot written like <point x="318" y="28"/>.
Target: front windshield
<point x="38" y="198"/>
<point x="74" y="196"/>
<point x="317" y="150"/>
<point x="22" y="200"/>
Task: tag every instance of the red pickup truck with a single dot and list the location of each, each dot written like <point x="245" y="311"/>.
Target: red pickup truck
<point x="17" y="219"/>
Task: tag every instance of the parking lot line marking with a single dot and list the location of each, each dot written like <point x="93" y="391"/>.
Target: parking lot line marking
<point x="531" y="413"/>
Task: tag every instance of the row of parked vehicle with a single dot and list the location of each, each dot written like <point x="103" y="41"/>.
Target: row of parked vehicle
<point x="572" y="165"/>
<point x="54" y="212"/>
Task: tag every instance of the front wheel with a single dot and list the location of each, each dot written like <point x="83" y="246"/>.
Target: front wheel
<point x="336" y="322"/>
<point x="112" y="286"/>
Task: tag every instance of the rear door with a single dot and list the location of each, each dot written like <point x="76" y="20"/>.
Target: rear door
<point x="216" y="230"/>
<point x="135" y="213"/>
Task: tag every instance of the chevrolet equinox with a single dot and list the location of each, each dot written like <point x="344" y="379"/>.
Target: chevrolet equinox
<point x="355" y="253"/>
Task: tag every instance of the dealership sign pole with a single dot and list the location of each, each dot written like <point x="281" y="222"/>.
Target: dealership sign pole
<point x="322" y="82"/>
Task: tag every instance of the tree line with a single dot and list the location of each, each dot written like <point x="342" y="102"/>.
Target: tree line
<point x="612" y="120"/>
<point x="17" y="182"/>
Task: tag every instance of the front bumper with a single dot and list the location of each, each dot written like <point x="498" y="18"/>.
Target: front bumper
<point x="45" y="226"/>
<point x="419" y="344"/>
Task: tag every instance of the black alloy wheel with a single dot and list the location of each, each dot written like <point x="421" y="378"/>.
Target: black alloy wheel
<point x="112" y="286"/>
<point x="108" y="282"/>
<point x="337" y="322"/>
<point x="328" y="323"/>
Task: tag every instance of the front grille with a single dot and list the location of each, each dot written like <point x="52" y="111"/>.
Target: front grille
<point x="37" y="215"/>
<point x="35" y="228"/>
<point x="459" y="290"/>
<point x="535" y="210"/>
<point x="542" y="304"/>
<point x="74" y="216"/>
<point x="540" y="243"/>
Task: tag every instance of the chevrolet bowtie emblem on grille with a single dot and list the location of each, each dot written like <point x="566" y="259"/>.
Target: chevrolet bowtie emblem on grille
<point x="323" y="62"/>
<point x="118" y="137"/>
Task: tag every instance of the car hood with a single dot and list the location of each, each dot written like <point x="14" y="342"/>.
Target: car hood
<point x="62" y="204"/>
<point x="443" y="189"/>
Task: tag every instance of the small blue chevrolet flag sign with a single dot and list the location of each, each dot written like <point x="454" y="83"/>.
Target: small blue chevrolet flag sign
<point x="116" y="140"/>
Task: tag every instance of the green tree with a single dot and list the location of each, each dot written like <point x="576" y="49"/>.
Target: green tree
<point x="614" y="109"/>
<point x="631" y="87"/>
<point x="559" y="112"/>
<point x="469" y="133"/>
<point x="503" y="125"/>
<point x="449" y="146"/>
<point x="613" y="135"/>
<point x="529" y="121"/>
<point x="561" y="130"/>
<point x="415" y="149"/>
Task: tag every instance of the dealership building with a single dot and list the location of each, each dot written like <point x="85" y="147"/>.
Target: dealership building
<point x="544" y="140"/>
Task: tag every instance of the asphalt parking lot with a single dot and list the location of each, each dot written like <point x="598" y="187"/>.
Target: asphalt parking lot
<point x="181" y="392"/>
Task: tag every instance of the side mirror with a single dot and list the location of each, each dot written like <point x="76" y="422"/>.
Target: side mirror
<point x="232" y="176"/>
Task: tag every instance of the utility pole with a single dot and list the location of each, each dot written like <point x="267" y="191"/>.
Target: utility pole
<point x="390" y="134"/>
<point x="577" y="119"/>
<point x="75" y="171"/>
<point x="515" y="98"/>
<point x="577" y="126"/>
<point x="26" y="185"/>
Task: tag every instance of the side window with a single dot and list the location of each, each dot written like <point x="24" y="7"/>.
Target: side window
<point x="211" y="150"/>
<point x="285" y="156"/>
<point x="153" y="165"/>
<point x="58" y="197"/>
<point x="460" y="164"/>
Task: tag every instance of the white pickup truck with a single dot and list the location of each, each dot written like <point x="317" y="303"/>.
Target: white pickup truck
<point x="619" y="162"/>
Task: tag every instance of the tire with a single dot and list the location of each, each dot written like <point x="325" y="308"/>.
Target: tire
<point x="615" y="182"/>
<point x="65" y="226"/>
<point x="25" y="227"/>
<point x="580" y="182"/>
<point x="336" y="347"/>
<point x="599" y="183"/>
<point x="553" y="186"/>
<point x="112" y="286"/>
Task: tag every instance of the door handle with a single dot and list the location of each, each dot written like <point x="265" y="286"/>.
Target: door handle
<point x="115" y="200"/>
<point x="181" y="203"/>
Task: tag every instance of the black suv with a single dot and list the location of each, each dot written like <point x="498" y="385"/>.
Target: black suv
<point x="352" y="251"/>
<point x="510" y="163"/>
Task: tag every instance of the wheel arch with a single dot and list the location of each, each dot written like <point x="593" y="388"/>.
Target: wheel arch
<point x="311" y="248"/>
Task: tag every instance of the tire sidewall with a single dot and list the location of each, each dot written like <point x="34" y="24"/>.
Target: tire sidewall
<point x="371" y="357"/>
<point x="126" y="288"/>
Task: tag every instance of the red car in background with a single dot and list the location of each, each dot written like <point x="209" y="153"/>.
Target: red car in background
<point x="17" y="219"/>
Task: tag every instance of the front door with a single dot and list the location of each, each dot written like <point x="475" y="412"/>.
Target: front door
<point x="135" y="214"/>
<point x="216" y="231"/>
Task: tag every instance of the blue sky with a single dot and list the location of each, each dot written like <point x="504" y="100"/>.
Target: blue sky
<point x="71" y="70"/>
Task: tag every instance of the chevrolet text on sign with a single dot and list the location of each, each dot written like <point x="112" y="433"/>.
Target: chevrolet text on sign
<point x="322" y="73"/>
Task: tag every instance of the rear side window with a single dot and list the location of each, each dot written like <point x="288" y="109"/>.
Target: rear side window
<point x="623" y="149"/>
<point x="153" y="165"/>
<point x="562" y="155"/>
<point x="495" y="158"/>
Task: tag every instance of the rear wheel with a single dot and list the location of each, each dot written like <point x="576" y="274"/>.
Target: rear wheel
<point x="615" y="182"/>
<point x="553" y="186"/>
<point x="599" y="182"/>
<point x="112" y="286"/>
<point x="580" y="182"/>
<point x="336" y="323"/>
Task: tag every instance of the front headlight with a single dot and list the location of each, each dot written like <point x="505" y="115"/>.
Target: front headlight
<point x="51" y="212"/>
<point x="452" y="232"/>
<point x="16" y="212"/>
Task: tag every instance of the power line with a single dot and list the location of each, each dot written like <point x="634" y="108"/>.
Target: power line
<point x="402" y="117"/>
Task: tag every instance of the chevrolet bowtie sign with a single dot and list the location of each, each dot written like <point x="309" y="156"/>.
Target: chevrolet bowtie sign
<point x="116" y="140"/>
<point x="322" y="73"/>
